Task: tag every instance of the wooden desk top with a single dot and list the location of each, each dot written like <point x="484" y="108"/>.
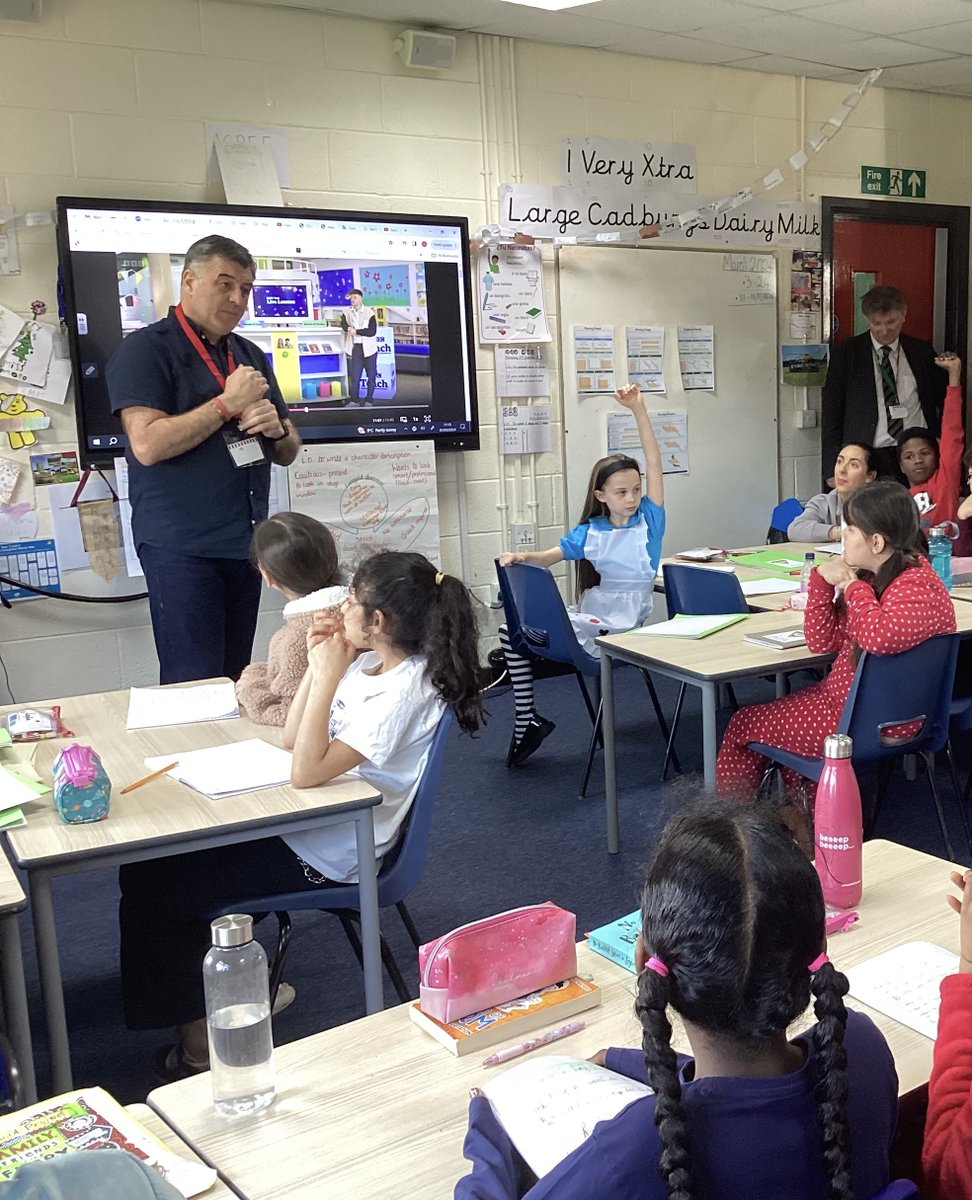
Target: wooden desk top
<point x="376" y="1109"/>
<point x="164" y="810"/>
<point x="722" y="655"/>
<point x="12" y="898"/>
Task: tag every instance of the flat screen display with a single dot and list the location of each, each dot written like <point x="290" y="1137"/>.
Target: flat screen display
<point x="121" y="263"/>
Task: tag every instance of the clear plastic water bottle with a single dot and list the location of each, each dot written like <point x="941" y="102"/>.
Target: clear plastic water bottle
<point x="237" y="990"/>
<point x="809" y="561"/>
<point x="837" y="825"/>
<point x="940" y="550"/>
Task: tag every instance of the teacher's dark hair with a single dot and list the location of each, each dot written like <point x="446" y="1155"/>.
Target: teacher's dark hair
<point x="733" y="908"/>
<point x="214" y="245"/>
<point x="427" y="612"/>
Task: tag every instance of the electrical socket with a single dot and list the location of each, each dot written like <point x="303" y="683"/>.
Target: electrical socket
<point x="524" y="536"/>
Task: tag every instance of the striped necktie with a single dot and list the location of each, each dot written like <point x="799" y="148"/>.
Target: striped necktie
<point x="890" y="387"/>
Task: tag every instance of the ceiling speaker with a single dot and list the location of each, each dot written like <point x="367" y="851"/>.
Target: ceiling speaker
<point x="420" y="48"/>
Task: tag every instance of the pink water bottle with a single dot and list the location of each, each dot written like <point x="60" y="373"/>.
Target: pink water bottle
<point x="838" y="825"/>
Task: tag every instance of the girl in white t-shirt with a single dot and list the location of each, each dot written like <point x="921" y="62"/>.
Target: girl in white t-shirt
<point x="374" y="714"/>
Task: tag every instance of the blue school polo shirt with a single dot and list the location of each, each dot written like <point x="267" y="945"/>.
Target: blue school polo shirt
<point x="198" y="503"/>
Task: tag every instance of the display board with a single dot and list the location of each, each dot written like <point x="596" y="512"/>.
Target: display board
<point x="731" y="486"/>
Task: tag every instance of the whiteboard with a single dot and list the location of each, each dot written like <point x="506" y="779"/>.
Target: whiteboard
<point x="731" y="488"/>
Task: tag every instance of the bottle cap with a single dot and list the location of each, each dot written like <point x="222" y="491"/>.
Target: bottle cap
<point x="838" y="745"/>
<point x="236" y="929"/>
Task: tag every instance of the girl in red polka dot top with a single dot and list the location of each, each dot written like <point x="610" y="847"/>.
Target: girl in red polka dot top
<point x="881" y="595"/>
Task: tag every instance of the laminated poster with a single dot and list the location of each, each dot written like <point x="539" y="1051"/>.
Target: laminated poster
<point x="511" y="305"/>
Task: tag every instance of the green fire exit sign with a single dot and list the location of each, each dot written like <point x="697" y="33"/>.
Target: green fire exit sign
<point x="893" y="181"/>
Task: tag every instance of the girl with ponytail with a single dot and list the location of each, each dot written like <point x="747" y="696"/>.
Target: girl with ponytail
<point x="880" y="595"/>
<point x="733" y="941"/>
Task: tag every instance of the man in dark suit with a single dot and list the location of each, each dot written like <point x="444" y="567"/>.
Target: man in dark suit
<point x="878" y="384"/>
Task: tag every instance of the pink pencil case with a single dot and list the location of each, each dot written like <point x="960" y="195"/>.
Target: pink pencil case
<point x="496" y="959"/>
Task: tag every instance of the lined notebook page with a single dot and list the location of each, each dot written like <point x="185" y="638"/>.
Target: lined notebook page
<point x="903" y="983"/>
<point x="228" y="770"/>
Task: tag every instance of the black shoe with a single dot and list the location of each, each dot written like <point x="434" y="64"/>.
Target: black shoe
<point x="536" y="731"/>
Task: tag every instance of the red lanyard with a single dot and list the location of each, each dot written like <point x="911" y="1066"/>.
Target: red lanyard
<point x="200" y="348"/>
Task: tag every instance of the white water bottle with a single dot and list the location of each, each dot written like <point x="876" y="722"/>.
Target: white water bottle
<point x="237" y="990"/>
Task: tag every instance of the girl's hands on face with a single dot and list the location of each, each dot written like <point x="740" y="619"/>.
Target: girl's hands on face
<point x="330" y="655"/>
<point x="323" y="626"/>
<point x="836" y="572"/>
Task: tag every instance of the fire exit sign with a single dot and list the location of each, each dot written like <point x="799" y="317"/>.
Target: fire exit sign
<point x="893" y="181"/>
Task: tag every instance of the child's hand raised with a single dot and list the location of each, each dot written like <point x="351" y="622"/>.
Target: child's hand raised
<point x="630" y="396"/>
<point x="952" y="363"/>
<point x="963" y="906"/>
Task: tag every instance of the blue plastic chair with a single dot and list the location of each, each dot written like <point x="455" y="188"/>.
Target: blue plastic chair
<point x="780" y="518"/>
<point x="534" y="604"/>
<point x="698" y="592"/>
<point x="401" y="869"/>
<point x="898" y="1189"/>
<point x="891" y="689"/>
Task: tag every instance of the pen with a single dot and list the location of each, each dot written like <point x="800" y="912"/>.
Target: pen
<point x="130" y="787"/>
<point x="554" y="1035"/>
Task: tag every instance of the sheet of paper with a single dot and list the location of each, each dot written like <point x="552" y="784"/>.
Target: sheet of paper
<point x="71" y="552"/>
<point x="10" y="327"/>
<point x="229" y="770"/>
<point x="521" y="371"/>
<point x="766" y="587"/>
<point x="831" y="548"/>
<point x="594" y="359"/>
<point x="248" y="172"/>
<point x="132" y="563"/>
<point x="550" y="1104"/>
<point x="645" y="345"/>
<point x="29" y="357"/>
<point x="152" y="707"/>
<point x="691" y="627"/>
<point x="14" y="790"/>
<point x="671" y="432"/>
<point x="512" y="307"/>
<point x="54" y="389"/>
<point x="525" y="428"/>
<point x="696" y="357"/>
<point x="903" y="983"/>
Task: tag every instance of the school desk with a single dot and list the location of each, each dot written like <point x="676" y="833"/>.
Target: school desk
<point x="171" y="1140"/>
<point x="706" y="663"/>
<point x="166" y="817"/>
<point x="12" y="903"/>
<point x="376" y="1109"/>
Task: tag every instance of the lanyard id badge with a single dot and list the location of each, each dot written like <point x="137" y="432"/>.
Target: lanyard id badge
<point x="244" y="449"/>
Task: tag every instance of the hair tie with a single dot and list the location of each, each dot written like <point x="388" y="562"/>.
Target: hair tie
<point x="655" y="964"/>
<point x="818" y="962"/>
<point x="439" y="576"/>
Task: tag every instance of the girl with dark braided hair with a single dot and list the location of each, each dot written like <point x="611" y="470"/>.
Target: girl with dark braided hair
<point x="733" y="941"/>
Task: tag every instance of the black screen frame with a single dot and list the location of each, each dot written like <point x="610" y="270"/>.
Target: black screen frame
<point x="103" y="458"/>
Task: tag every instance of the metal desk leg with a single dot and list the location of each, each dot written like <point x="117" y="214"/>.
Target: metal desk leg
<point x="15" y="1002"/>
<point x="710" y="697"/>
<point x="52" y="988"/>
<point x="607" y="730"/>
<point x="364" y="832"/>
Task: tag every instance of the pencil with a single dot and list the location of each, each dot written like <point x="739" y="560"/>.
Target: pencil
<point x="130" y="787"/>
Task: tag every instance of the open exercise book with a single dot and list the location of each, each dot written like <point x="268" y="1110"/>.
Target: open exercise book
<point x="228" y="770"/>
<point x="903" y="983"/>
<point x="151" y="707"/>
<point x="550" y="1104"/>
<point x="683" y="626"/>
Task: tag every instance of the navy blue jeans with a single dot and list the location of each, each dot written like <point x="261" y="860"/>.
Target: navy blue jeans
<point x="204" y="613"/>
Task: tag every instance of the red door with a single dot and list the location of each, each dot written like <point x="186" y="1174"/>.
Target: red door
<point x="893" y="253"/>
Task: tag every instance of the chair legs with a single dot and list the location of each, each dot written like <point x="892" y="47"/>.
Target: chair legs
<point x="670" y="747"/>
<point x="961" y="797"/>
<point x="349" y="926"/>
<point x="409" y="924"/>
<point x="667" y="734"/>
<point x="284" y="930"/>
<point x="883" y="778"/>
<point x="929" y="761"/>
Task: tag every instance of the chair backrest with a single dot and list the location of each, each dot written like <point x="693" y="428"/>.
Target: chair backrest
<point x="891" y="689"/>
<point x="510" y="614"/>
<point x="898" y="1189"/>
<point x="402" y="867"/>
<point x="701" y="592"/>
<point x="781" y="516"/>
<point x="542" y="618"/>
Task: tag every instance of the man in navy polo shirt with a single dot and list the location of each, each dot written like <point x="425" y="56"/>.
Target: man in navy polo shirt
<point x="204" y="419"/>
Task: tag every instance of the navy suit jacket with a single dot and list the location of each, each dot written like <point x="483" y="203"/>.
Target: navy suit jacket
<point x="850" y="395"/>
